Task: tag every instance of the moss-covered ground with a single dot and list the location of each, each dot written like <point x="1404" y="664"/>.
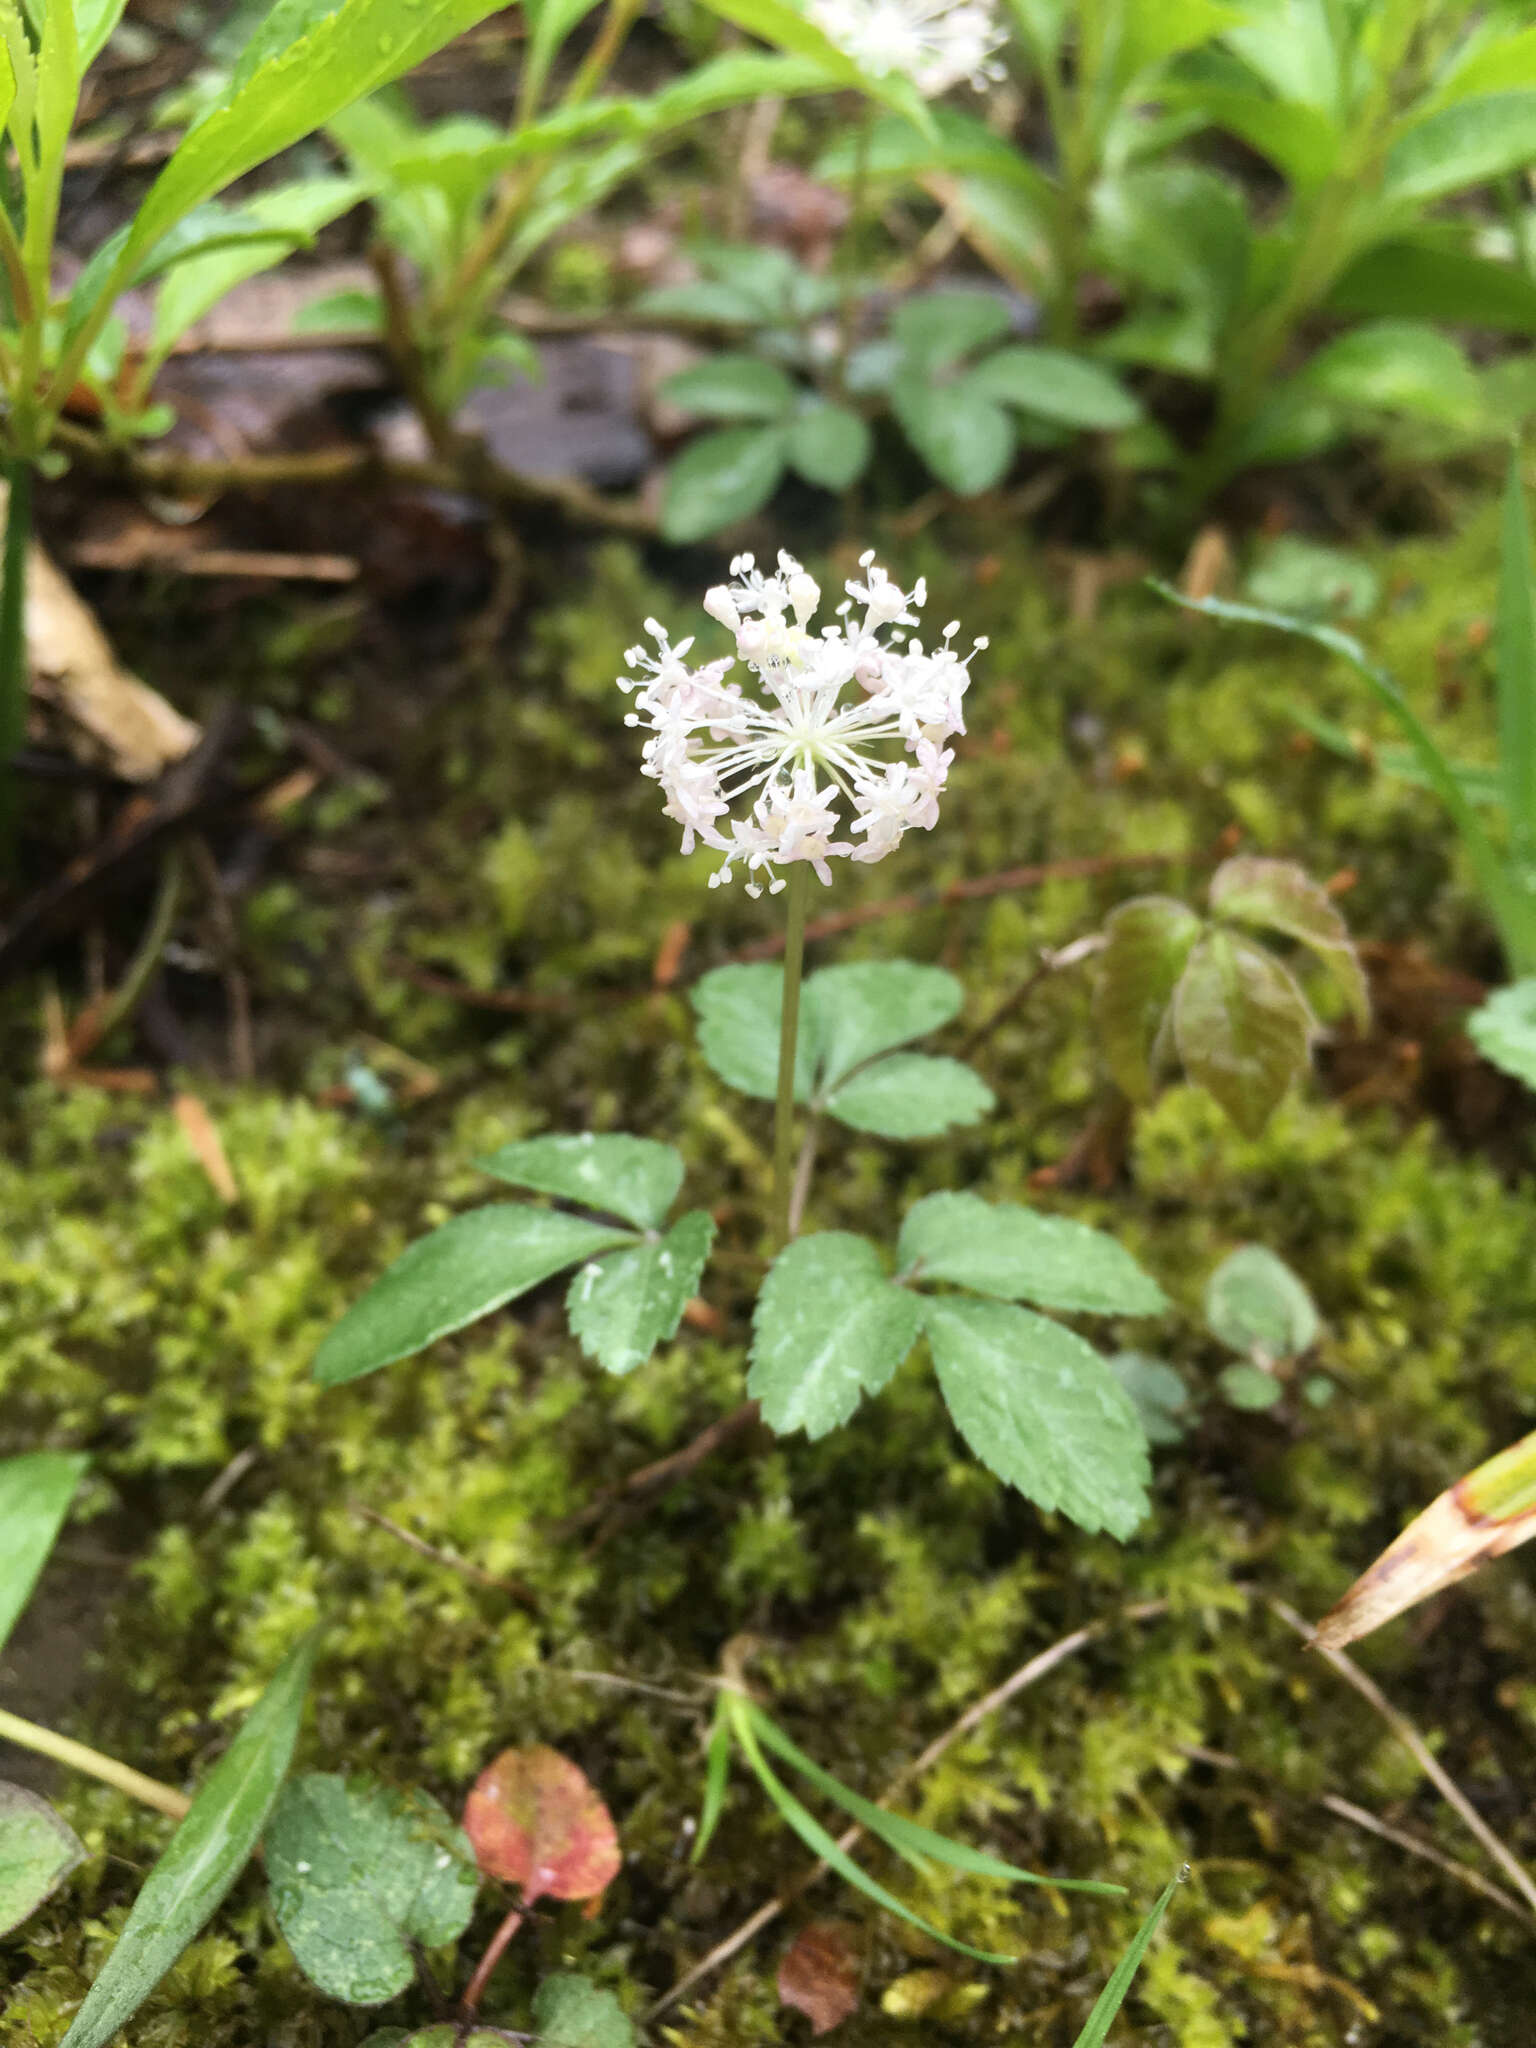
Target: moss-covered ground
<point x="507" y="842"/>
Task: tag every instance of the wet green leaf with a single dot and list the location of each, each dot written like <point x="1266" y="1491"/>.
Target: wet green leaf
<point x="1150" y="939"/>
<point x="1242" y="1027"/>
<point x="623" y="1306"/>
<point x="635" y="1178"/>
<point x="358" y="1873"/>
<point x="571" y="2012"/>
<point x="911" y="1095"/>
<point x="206" y="1854"/>
<point x="468" y="1266"/>
<point x="1042" y="1410"/>
<point x="1256" y="1305"/>
<point x="38" y="1850"/>
<point x="828" y="1328"/>
<point x="1019" y="1255"/>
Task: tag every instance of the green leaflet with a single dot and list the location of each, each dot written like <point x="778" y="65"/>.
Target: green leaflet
<point x="635" y="1178"/>
<point x="204" y="1857"/>
<point x="38" y="1850"/>
<point x="828" y="1329"/>
<point x="1020" y="1255"/>
<point x="1042" y="1410"/>
<point x="621" y="1307"/>
<point x="468" y="1266"/>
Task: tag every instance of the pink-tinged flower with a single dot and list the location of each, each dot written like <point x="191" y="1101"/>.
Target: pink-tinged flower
<point x="838" y="730"/>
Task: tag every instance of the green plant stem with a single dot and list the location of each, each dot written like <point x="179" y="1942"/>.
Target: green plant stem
<point x="848" y="252"/>
<point x="795" y="898"/>
<point x="13" y="636"/>
<point x="44" y="1742"/>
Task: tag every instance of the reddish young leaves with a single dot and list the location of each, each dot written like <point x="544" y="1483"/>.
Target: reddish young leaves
<point x="535" y="1822"/>
<point x="819" y="1975"/>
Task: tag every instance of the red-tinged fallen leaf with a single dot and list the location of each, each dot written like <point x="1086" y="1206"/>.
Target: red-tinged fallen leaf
<point x="535" y="1822"/>
<point x="819" y="1975"/>
<point x="1490" y="1511"/>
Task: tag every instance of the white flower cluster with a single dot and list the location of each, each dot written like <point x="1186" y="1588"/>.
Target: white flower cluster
<point x="838" y="719"/>
<point x="935" y="43"/>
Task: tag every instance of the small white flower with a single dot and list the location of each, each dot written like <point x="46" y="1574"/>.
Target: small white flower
<point x="841" y="730"/>
<point x="935" y="43"/>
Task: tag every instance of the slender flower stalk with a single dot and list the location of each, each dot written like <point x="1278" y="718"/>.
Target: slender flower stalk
<point x="122" y="1777"/>
<point x="789" y="1033"/>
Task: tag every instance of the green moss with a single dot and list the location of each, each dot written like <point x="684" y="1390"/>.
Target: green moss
<point x="889" y="1578"/>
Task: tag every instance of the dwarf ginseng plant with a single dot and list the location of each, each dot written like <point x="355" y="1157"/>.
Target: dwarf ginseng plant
<point x="802" y="748"/>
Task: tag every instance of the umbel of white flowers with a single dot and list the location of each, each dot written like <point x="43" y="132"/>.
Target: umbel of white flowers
<point x="842" y="730"/>
<point x="935" y="43"/>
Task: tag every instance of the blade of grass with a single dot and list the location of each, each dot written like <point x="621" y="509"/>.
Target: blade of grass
<point x="716" y="1772"/>
<point x="815" y="1837"/>
<point x="1513" y="912"/>
<point x="1112" y="1997"/>
<point x="919" y="1845"/>
<point x="1516" y="665"/>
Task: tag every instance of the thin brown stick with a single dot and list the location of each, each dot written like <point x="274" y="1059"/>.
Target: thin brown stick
<point x="471" y="471"/>
<point x="1028" y="1674"/>
<point x="513" y="1588"/>
<point x="1419" y="1750"/>
<point x="662" y="1472"/>
<point x="1050" y="962"/>
<point x="557" y="1002"/>
<point x="1361" y="1817"/>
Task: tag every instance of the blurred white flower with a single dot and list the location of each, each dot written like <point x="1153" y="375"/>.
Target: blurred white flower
<point x="935" y="43"/>
<point x="842" y="729"/>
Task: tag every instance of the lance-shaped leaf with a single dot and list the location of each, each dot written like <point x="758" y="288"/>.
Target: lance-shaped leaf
<point x="1042" y="1410"/>
<point x="1490" y="1511"/>
<point x="1109" y="2001"/>
<point x="1517" y="669"/>
<point x="635" y="1178"/>
<point x="623" y="1306"/>
<point x="1149" y="942"/>
<point x="1242" y="1027"/>
<point x="536" y="1822"/>
<point x="35" y="1492"/>
<point x="206" y="1854"/>
<point x="911" y="1095"/>
<point x="1278" y="896"/>
<point x="358" y="1873"/>
<point x="468" y="1266"/>
<point x="828" y="1329"/>
<point x="38" y="1850"/>
<point x="999" y="1248"/>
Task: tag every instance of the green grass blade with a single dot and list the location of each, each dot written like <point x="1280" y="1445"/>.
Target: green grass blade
<point x="1516" y="651"/>
<point x="717" y="1771"/>
<point x="205" y="1856"/>
<point x="919" y="1845"/>
<point x="35" y="1492"/>
<point x="1112" y="1997"/>
<point x="1513" y="912"/>
<point x="815" y="1837"/>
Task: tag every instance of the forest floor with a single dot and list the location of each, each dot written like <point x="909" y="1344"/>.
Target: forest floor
<point x="467" y="921"/>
